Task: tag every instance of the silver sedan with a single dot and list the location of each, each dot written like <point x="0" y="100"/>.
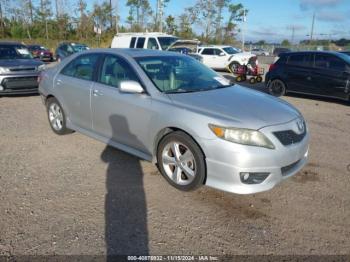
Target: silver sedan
<point x="170" y="109"/>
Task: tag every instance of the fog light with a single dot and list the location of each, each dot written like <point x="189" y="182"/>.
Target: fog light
<point x="253" y="178"/>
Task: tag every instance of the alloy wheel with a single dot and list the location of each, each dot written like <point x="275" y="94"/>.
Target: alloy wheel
<point x="179" y="163"/>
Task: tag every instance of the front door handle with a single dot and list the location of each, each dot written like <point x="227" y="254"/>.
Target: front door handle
<point x="58" y="82"/>
<point x="96" y="92"/>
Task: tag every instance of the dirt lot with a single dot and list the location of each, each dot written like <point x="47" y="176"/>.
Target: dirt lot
<point x="73" y="195"/>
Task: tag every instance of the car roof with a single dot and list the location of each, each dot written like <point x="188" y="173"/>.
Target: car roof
<point x="311" y="52"/>
<point x="10" y="43"/>
<point x="132" y="52"/>
<point x="213" y="46"/>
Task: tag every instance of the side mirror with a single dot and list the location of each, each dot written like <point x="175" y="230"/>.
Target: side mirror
<point x="130" y="86"/>
<point x="222" y="54"/>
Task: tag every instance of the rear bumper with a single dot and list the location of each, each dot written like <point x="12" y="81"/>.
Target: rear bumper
<point x="19" y="84"/>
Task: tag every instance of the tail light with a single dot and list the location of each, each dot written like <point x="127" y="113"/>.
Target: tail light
<point x="272" y="67"/>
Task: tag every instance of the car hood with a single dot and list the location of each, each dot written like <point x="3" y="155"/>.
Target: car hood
<point x="19" y="62"/>
<point x="241" y="106"/>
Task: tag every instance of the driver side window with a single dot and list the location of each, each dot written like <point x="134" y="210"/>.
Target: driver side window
<point x="114" y="70"/>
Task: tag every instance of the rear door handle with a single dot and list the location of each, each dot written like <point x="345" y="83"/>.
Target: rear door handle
<point x="96" y="92"/>
<point x="58" y="82"/>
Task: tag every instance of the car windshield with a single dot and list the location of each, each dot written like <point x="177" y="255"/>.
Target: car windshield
<point x="79" y="48"/>
<point x="14" y="52"/>
<point x="230" y="50"/>
<point x="165" y="42"/>
<point x="174" y="74"/>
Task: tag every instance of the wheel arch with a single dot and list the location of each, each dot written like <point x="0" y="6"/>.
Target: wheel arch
<point x="167" y="130"/>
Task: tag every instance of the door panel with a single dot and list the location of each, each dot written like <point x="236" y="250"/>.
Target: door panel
<point x="75" y="82"/>
<point x="299" y="78"/>
<point x="121" y="117"/>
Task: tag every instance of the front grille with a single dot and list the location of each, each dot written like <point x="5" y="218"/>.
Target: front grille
<point x="286" y="169"/>
<point x="289" y="137"/>
<point x="26" y="82"/>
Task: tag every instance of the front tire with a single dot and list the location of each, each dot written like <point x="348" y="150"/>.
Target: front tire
<point x="277" y="87"/>
<point x="181" y="161"/>
<point x="56" y="117"/>
<point x="234" y="66"/>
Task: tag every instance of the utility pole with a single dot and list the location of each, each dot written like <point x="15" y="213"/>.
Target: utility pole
<point x="312" y="28"/>
<point x="159" y="16"/>
<point x="293" y="32"/>
<point x="244" y="19"/>
<point x="116" y="17"/>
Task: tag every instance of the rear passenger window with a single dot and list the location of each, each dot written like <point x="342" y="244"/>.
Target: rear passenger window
<point x="140" y="42"/>
<point x="114" y="70"/>
<point x="299" y="60"/>
<point x="81" y="67"/>
<point x="132" y="43"/>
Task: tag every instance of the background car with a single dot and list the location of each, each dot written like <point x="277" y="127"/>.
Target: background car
<point x="18" y="70"/>
<point x="312" y="72"/>
<point x="66" y="49"/>
<point x="41" y="52"/>
<point x="187" y="47"/>
<point x="154" y="41"/>
<point x="259" y="51"/>
<point x="172" y="110"/>
<point x="222" y="57"/>
<point x="280" y="50"/>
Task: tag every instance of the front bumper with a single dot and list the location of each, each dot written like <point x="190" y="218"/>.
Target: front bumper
<point x="19" y="83"/>
<point x="225" y="161"/>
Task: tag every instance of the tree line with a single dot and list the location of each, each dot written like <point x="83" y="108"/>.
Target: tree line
<point x="212" y="21"/>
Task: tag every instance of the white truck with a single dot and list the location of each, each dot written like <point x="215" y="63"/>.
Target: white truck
<point x="222" y="57"/>
<point x="156" y="41"/>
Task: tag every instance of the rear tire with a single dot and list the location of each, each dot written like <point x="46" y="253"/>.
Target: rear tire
<point x="181" y="161"/>
<point x="233" y="66"/>
<point x="277" y="87"/>
<point x="56" y="117"/>
<point x="259" y="79"/>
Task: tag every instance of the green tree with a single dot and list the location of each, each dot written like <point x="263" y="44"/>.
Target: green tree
<point x="285" y="42"/>
<point x="171" y="26"/>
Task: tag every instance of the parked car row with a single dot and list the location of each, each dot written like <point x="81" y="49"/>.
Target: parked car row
<point x="214" y="56"/>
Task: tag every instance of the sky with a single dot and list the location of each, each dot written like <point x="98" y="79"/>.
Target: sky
<point x="273" y="20"/>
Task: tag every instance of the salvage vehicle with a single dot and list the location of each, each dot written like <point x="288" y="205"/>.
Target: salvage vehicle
<point x="319" y="73"/>
<point x="172" y="110"/>
<point x="18" y="70"/>
<point x="41" y="52"/>
<point x="223" y="57"/>
<point x="66" y="49"/>
<point x="187" y="47"/>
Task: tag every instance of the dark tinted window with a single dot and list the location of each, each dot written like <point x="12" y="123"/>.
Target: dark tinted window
<point x="299" y="60"/>
<point x="14" y="52"/>
<point x="140" y="42"/>
<point x="208" y="51"/>
<point x="132" y="43"/>
<point x="329" y="62"/>
<point x="81" y="67"/>
<point x="115" y="70"/>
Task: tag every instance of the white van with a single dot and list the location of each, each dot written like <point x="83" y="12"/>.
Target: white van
<point x="156" y="41"/>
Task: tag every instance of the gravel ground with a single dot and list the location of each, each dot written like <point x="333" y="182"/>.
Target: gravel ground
<point x="73" y="195"/>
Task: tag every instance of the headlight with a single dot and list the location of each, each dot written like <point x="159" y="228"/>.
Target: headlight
<point x="242" y="136"/>
<point x="41" y="67"/>
<point x="4" y="70"/>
